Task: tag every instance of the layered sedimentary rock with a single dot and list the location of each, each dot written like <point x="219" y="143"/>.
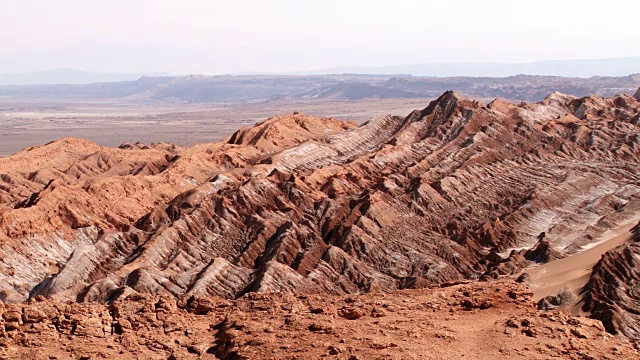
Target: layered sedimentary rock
<point x="455" y="191"/>
<point x="61" y="198"/>
<point x="612" y="294"/>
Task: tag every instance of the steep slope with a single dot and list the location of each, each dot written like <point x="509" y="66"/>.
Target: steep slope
<point x="298" y="204"/>
<point x="612" y="294"/>
<point x="70" y="193"/>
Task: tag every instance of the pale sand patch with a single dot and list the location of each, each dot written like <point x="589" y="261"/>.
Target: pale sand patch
<point x="573" y="272"/>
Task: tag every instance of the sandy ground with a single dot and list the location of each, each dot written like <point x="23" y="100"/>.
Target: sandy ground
<point x="573" y="272"/>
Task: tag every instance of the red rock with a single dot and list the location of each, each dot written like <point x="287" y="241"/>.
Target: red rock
<point x="352" y="313"/>
<point x="320" y="206"/>
<point x="32" y="315"/>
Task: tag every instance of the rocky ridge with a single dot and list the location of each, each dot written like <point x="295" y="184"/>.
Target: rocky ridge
<point x="612" y="294"/>
<point x="458" y="190"/>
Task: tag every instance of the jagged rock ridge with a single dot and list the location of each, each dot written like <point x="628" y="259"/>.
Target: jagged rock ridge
<point x="320" y="205"/>
<point x="612" y="294"/>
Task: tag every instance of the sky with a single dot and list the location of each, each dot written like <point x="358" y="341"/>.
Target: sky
<point x="220" y="37"/>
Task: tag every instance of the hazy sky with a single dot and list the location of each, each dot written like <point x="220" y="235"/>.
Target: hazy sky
<point x="213" y="36"/>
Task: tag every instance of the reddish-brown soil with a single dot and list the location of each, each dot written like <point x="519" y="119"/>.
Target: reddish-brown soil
<point x="494" y="320"/>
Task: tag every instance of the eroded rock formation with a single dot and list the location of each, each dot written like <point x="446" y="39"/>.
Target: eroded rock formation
<point x="612" y="294"/>
<point x="301" y="204"/>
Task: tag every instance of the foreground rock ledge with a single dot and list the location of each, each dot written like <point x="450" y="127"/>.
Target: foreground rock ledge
<point x="494" y="320"/>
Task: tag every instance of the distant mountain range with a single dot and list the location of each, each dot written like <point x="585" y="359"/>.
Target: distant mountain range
<point x="567" y="68"/>
<point x="67" y="76"/>
<point x="269" y="88"/>
<point x="564" y="68"/>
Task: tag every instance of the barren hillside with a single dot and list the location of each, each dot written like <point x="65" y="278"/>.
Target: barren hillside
<point x="456" y="191"/>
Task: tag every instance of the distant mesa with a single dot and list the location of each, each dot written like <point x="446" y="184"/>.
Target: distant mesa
<point x="273" y="90"/>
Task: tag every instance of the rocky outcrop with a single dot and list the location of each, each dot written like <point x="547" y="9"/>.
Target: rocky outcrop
<point x="637" y="94"/>
<point x="542" y="253"/>
<point x="612" y="294"/>
<point x="498" y="266"/>
<point x="300" y="204"/>
<point x="562" y="299"/>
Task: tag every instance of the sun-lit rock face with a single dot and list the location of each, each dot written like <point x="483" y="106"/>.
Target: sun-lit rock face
<point x="303" y="204"/>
